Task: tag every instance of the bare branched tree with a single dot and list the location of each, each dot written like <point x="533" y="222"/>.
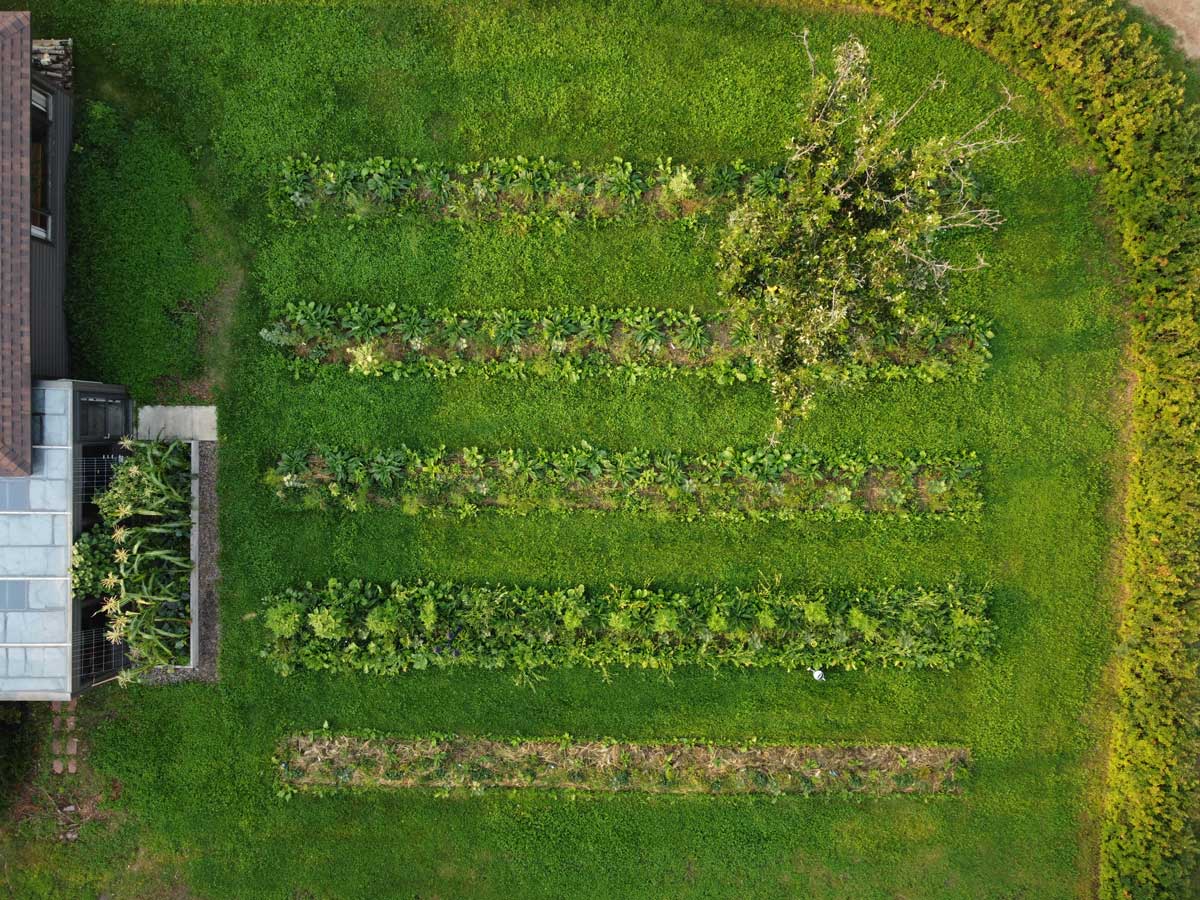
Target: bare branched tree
<point x="846" y="252"/>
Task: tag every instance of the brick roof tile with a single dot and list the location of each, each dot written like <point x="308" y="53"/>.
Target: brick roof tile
<point x="15" y="362"/>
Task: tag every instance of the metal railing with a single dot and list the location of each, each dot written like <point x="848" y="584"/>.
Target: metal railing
<point x="96" y="659"/>
<point x="93" y="475"/>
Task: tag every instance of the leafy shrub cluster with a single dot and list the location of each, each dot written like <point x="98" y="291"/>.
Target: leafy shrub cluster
<point x="1107" y="74"/>
<point x="323" y="762"/>
<point x="389" y="629"/>
<point x="569" y="342"/>
<point x="92" y="559"/>
<point x="526" y="191"/>
<point x="845" y="253"/>
<point x="773" y="482"/>
<point x="139" y="560"/>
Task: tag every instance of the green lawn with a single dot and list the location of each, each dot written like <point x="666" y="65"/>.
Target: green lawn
<point x="238" y="88"/>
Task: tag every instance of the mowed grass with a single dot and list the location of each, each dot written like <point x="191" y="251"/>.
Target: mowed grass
<point x="243" y="86"/>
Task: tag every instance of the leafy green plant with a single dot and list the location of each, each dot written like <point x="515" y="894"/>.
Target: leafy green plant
<point x="92" y="559"/>
<point x="390" y="629"/>
<point x="775" y="482"/>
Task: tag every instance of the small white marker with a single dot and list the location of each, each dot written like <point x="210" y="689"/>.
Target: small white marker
<point x="818" y="674"/>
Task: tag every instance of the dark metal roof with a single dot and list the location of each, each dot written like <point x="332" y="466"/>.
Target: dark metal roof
<point x="15" y="362"/>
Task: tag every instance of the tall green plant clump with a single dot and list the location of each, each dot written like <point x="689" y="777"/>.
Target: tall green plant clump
<point x="389" y="629"/>
<point x="139" y="559"/>
<point x="845" y="250"/>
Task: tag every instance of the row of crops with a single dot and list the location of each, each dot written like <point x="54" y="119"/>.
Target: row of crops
<point x="828" y="284"/>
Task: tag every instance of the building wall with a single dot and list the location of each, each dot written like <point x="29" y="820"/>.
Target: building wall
<point x="48" y="260"/>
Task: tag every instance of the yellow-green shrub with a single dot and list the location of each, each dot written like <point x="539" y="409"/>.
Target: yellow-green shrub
<point x="1106" y="74"/>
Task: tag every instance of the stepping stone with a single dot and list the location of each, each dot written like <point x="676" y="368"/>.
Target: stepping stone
<point x="58" y="767"/>
<point x="57" y="724"/>
<point x="72" y="746"/>
<point x="71" y="705"/>
<point x="56" y="705"/>
<point x="56" y="746"/>
<point x="70" y="723"/>
<point x="71" y="766"/>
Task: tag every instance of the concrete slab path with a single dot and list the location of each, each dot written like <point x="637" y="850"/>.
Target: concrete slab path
<point x="184" y="423"/>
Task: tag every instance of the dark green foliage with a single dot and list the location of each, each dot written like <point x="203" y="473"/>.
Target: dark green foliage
<point x="389" y="629"/>
<point x="136" y="280"/>
<point x="758" y="483"/>
<point x="91" y="560"/>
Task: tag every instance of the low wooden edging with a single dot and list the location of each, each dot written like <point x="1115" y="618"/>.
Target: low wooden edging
<point x="325" y="762"/>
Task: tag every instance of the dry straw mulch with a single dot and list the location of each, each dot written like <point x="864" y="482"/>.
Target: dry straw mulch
<point x="322" y="762"/>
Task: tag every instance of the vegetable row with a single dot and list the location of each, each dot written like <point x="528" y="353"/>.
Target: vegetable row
<point x="767" y="482"/>
<point x="571" y="342"/>
<point x="518" y="189"/>
<point x="386" y="630"/>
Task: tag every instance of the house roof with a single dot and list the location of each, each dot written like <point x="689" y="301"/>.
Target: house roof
<point x="15" y="362"/>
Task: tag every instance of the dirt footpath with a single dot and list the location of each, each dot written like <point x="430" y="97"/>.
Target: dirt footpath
<point x="1181" y="15"/>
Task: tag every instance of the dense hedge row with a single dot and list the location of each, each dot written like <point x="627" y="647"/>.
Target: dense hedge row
<point x="389" y="629"/>
<point x="1106" y="73"/>
<point x="570" y="342"/>
<point x="531" y="191"/>
<point x="325" y="762"/>
<point x="751" y="483"/>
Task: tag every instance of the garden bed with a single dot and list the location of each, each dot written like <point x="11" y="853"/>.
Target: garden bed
<point x="571" y="343"/>
<point x="204" y="635"/>
<point x="391" y="629"/>
<point x="766" y="482"/>
<point x="142" y="561"/>
<point x="325" y="762"/>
